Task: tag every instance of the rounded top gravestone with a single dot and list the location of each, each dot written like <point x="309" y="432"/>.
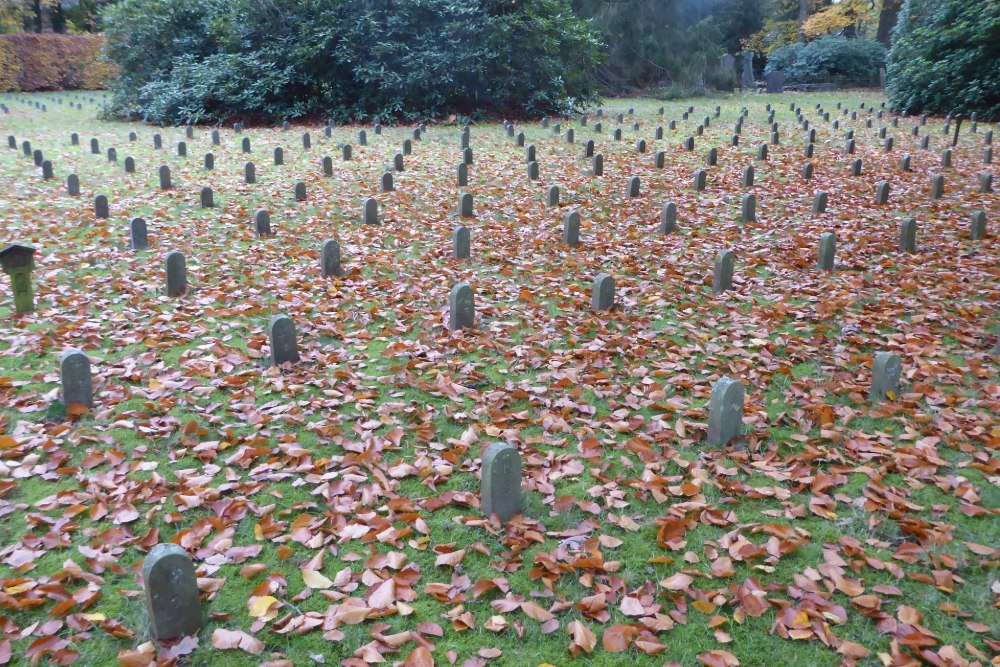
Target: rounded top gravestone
<point x="171" y="592"/>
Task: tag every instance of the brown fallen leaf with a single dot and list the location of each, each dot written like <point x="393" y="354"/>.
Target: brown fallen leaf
<point x="236" y="639"/>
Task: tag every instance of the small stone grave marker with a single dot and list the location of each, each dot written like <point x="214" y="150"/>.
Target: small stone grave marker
<point x="461" y="243"/>
<point x="668" y="218"/>
<point x="749" y="208"/>
<point x="207" y="199"/>
<point x="101" y="209"/>
<point x="281" y="334"/>
<point x="176" y="272"/>
<point x="603" y="296"/>
<point x="165" y="183"/>
<point x="500" y="486"/>
<point x="977" y="228"/>
<point x="722" y="277"/>
<point x="827" y="252"/>
<point x="461" y="308"/>
<point x="370" y="211"/>
<point x="73" y="185"/>
<point x="331" y="259"/>
<point x="886" y="373"/>
<point x="725" y="412"/>
<point x="908" y="235"/>
<point x="571" y="229"/>
<point x="139" y="234"/>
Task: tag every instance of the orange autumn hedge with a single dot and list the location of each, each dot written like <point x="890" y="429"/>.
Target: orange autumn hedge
<point x="32" y="62"/>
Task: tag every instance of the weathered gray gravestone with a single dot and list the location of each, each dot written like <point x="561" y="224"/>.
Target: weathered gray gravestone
<point x="362" y="138"/>
<point x="461" y="243"/>
<point x="387" y="185"/>
<point x="749" y="208"/>
<point x="370" y="211"/>
<point x="819" y="202"/>
<point x="571" y="229"/>
<point x="249" y="173"/>
<point x="597" y="165"/>
<point x="762" y="152"/>
<point x="985" y="183"/>
<point x="725" y="412"/>
<point x="182" y="149"/>
<point x="74" y="371"/>
<point x="245" y="145"/>
<point x="746" y="78"/>
<point x="207" y="199"/>
<point x="660" y="159"/>
<point x="281" y="333"/>
<point x="722" y="277"/>
<point x="327" y="166"/>
<point x="74" y="139"/>
<point x="882" y="194"/>
<point x="700" y="180"/>
<point x="633" y="187"/>
<point x="101" y="206"/>
<point x="139" y="234"/>
<point x="856" y="165"/>
<point x="176" y="273"/>
<point x="500" y="486"/>
<point x="977" y="228"/>
<point x="748" y="175"/>
<point x="904" y="164"/>
<point x="157" y="141"/>
<point x="668" y="218"/>
<point x="603" y="296"/>
<point x="279" y="156"/>
<point x="807" y="171"/>
<point x="937" y="187"/>
<point x="73" y="185"/>
<point x="462" y="176"/>
<point x="346" y="152"/>
<point x="461" y="308"/>
<point x="262" y="223"/>
<point x="465" y="205"/>
<point x="529" y="153"/>
<point x="946" y="158"/>
<point x="827" y="252"/>
<point x="331" y="259"/>
<point x="886" y="373"/>
<point x="532" y="171"/>
<point x="553" y="196"/>
<point x="165" y="183"/>
<point x="171" y="592"/>
<point x="300" y="191"/>
<point x="908" y="235"/>
<point x="47" y="173"/>
<point x="306" y="141"/>
<point x="640" y="146"/>
<point x="216" y="139"/>
<point x="397" y="162"/>
<point x="775" y="82"/>
<point x="467" y="156"/>
<point x="95" y="147"/>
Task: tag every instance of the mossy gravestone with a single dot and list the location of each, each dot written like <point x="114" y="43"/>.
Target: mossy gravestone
<point x="725" y="412"/>
<point x="17" y="262"/>
<point x="171" y="592"/>
<point x="281" y="333"/>
<point x="461" y="308"/>
<point x="603" y="296"/>
<point x="74" y="372"/>
<point x="886" y="372"/>
<point x="331" y="259"/>
<point x="500" y="486"/>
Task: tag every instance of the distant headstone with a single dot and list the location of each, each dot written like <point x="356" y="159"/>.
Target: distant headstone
<point x="130" y="165"/>
<point x="500" y="491"/>
<point x="176" y="272"/>
<point x="462" y="175"/>
<point x="908" y="235"/>
<point x="216" y="138"/>
<point x="182" y="150"/>
<point x="700" y="180"/>
<point x="856" y="165"/>
<point x="725" y="412"/>
<point x="262" y="223"/>
<point x="101" y="207"/>
<point x="347" y="152"/>
<point x="279" y="156"/>
<point x="306" y="141"/>
<point x="946" y="158"/>
<point x="74" y="139"/>
<point x="331" y="259"/>
<point x="775" y="82"/>
<point x="553" y="196"/>
<point x="362" y="138"/>
<point x="886" y="373"/>
<point x="597" y="165"/>
<point x="397" y="162"/>
<point x="603" y="296"/>
<point x="461" y="308"/>
<point x="281" y="334"/>
<point x="904" y="164"/>
<point x="467" y="156"/>
<point x="157" y="142"/>
<point x="532" y="171"/>
<point x="209" y="161"/>
<point x="529" y="154"/>
<point x="819" y="202"/>
<point x="245" y="145"/>
<point x="722" y="277"/>
<point x="985" y="183"/>
<point x="74" y="371"/>
<point x="461" y="243"/>
<point x="18" y="261"/>
<point x="189" y="132"/>
<point x="139" y="234"/>
<point x="95" y="147"/>
<point x="807" y="171"/>
<point x="387" y="185"/>
<point x="327" y="166"/>
<point x="748" y="176"/>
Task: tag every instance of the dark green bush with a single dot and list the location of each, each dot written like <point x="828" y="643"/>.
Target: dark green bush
<point x="829" y="59"/>
<point x="208" y="61"/>
<point x="945" y="58"/>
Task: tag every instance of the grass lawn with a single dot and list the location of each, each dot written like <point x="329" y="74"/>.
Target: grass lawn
<point x="835" y="530"/>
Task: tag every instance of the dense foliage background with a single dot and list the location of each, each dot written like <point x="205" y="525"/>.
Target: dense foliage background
<point x="946" y="58"/>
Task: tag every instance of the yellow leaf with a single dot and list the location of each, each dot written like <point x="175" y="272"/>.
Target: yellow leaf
<point x="314" y="579"/>
<point x="262" y="605"/>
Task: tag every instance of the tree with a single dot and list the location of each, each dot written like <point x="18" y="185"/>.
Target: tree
<point x="887" y="17"/>
<point x="945" y="58"/>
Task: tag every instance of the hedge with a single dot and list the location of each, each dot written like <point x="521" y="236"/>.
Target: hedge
<point x="32" y="62"/>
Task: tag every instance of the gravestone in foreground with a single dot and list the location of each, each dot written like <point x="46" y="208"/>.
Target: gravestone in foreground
<point x="176" y="273"/>
<point x="668" y="218"/>
<point x="262" y="223"/>
<point x="139" y="234"/>
<point x="722" y="277"/>
<point x="171" y="592"/>
<point x="603" y="296"/>
<point x="74" y="371"/>
<point x="886" y="372"/>
<point x="331" y="259"/>
<point x="571" y="229"/>
<point x="461" y="308"/>
<point x="725" y="412"/>
<point x="827" y="251"/>
<point x="281" y="334"/>
<point x="500" y="486"/>
<point x="370" y="211"/>
<point x="101" y="206"/>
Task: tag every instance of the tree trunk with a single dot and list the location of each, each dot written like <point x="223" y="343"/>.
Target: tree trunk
<point x="887" y="20"/>
<point x="803" y="15"/>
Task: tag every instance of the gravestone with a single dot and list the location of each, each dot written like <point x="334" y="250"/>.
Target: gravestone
<point x="95" y="147"/>
<point x="11" y="141"/>
<point x="465" y="205"/>
<point x="529" y="154"/>
<point x="827" y="252"/>
<point x="262" y="223"/>
<point x="370" y="211"/>
<point x="762" y="152"/>
<point x="603" y="295"/>
<point x="819" y="202"/>
<point x="331" y="259"/>
<point x="570" y="136"/>
<point x="73" y="185"/>
<point x="74" y="139"/>
<point x="775" y="82"/>
<point x="633" y="187"/>
<point x="689" y="144"/>
<point x="165" y="183"/>
<point x="130" y="165"/>
<point x="407" y="147"/>
<point x="74" y="371"/>
<point x="461" y="243"/>
<point x="462" y="175"/>
<point x="588" y="149"/>
<point x="807" y="171"/>
<point x="189" y="132"/>
<point x="977" y="228"/>
<point x="748" y="212"/>
<point x="216" y="138"/>
<point x="532" y="171"/>
<point x="300" y="191"/>
<point x="182" y="149"/>
<point x="597" y="165"/>
<point x="362" y="138"/>
<point x="209" y="161"/>
<point x="908" y="235"/>
<point x="988" y="155"/>
<point x="856" y="165"/>
<point x="327" y="166"/>
<point x="904" y="164"/>
<point x="279" y="156"/>
<point x="946" y="158"/>
<point x="748" y="176"/>
<point x="722" y="277"/>
<point x="101" y="209"/>
<point x="746" y="77"/>
<point x="249" y="173"/>
<point x="139" y="234"/>
<point x="26" y="147"/>
<point x="725" y="412"/>
<point x="207" y="199"/>
<point x="467" y="156"/>
<point x="176" y="271"/>
<point x="245" y="145"/>
<point x="937" y="187"/>
<point x="461" y="308"/>
<point x="346" y="151"/>
<point x="397" y="162"/>
<point x="668" y="218"/>
<point x="659" y="133"/>
<point x="571" y="229"/>
<point x="618" y="134"/>
<point x="520" y="139"/>
<point x="157" y="142"/>
<point x="171" y="587"/>
<point x="849" y="147"/>
<point x="18" y="261"/>
<point x="281" y="334"/>
<point x="47" y="173"/>
<point x="985" y="183"/>
<point x="387" y="185"/>
<point x="552" y="198"/>
<point x="660" y="159"/>
<point x="112" y="155"/>
<point x="886" y="373"/>
<point x="882" y="194"/>
<point x="306" y="141"/>
<point x="500" y="486"/>
<point x="700" y="180"/>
